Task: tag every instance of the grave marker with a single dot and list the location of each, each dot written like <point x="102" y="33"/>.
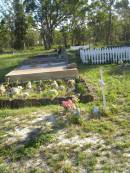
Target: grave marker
<point x="102" y="85"/>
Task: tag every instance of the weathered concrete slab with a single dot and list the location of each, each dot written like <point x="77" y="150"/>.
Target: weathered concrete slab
<point x="42" y="73"/>
<point x="42" y="68"/>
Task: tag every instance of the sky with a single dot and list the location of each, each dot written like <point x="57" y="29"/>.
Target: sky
<point x="1" y="7"/>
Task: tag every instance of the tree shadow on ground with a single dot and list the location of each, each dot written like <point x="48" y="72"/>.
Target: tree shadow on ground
<point x="120" y="70"/>
<point x="27" y="147"/>
<point x="87" y="67"/>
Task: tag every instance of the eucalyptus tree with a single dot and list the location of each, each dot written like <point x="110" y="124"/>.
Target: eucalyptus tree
<point x="53" y="14"/>
<point x="20" y="24"/>
<point x="102" y="14"/>
<point x="7" y="15"/>
<point x="110" y="7"/>
<point x="49" y="14"/>
<point x="78" y="20"/>
<point x="97" y="21"/>
<point x="14" y="14"/>
<point x="5" y="38"/>
<point x="123" y="11"/>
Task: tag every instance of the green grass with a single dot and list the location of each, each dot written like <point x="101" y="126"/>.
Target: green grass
<point x="29" y="149"/>
<point x="113" y="126"/>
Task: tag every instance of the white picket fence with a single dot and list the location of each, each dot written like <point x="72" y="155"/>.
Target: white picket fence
<point x="105" y="55"/>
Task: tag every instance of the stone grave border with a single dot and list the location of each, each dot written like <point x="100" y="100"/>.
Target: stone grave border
<point x="19" y="103"/>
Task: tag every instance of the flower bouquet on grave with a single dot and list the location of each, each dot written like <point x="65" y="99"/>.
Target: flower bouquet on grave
<point x="71" y="106"/>
<point x="68" y="105"/>
<point x="73" y="112"/>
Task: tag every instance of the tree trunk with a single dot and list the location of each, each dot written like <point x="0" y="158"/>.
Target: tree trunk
<point x="44" y="39"/>
<point x="47" y="38"/>
<point x="64" y="36"/>
<point x="109" y="37"/>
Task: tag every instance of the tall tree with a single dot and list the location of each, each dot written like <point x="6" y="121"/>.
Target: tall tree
<point x="7" y="14"/>
<point x="4" y="35"/>
<point x="56" y="13"/>
<point x="20" y="24"/>
<point x="64" y="31"/>
<point x="101" y="19"/>
<point x="78" y="11"/>
<point x="48" y="14"/>
<point x="123" y="11"/>
<point x="109" y="6"/>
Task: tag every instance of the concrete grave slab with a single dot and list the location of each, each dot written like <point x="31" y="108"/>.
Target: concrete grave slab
<point x="43" y="68"/>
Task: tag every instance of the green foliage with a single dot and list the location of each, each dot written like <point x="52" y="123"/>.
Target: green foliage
<point x="65" y="23"/>
<point x="4" y="168"/>
<point x="29" y="149"/>
<point x="20" y="25"/>
<point x="5" y="37"/>
<point x="74" y="119"/>
<point x="99" y="126"/>
<point x="32" y="38"/>
<point x="39" y="140"/>
<point x="122" y="145"/>
<point x="81" y="88"/>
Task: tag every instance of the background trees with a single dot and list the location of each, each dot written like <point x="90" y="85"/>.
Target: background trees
<point x="20" y="24"/>
<point x="5" y="37"/>
<point x="123" y="11"/>
<point x="61" y="22"/>
<point x="48" y="15"/>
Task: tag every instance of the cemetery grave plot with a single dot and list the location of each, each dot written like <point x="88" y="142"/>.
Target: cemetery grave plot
<point x="43" y="67"/>
<point x="42" y="80"/>
<point x="44" y="92"/>
<point x="30" y="136"/>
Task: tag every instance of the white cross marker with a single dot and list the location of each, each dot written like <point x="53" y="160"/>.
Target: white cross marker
<point x="102" y="84"/>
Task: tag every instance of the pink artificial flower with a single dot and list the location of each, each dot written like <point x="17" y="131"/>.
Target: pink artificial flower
<point x="68" y="104"/>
